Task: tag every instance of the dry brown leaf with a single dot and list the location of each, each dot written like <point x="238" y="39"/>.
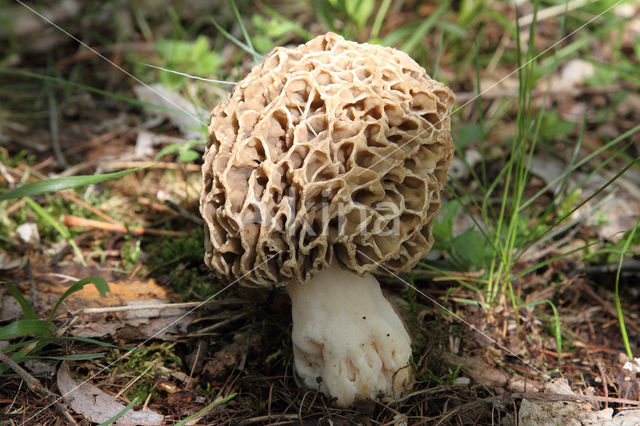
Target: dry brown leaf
<point x="135" y="322"/>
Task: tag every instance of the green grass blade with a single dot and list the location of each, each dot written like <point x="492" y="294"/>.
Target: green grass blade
<point x="126" y="409"/>
<point x="61" y="228"/>
<point x="207" y="408"/>
<point x="548" y="261"/>
<point x="72" y="357"/>
<point x="12" y="348"/>
<point x="556" y="326"/>
<point x="57" y="184"/>
<point x="424" y="27"/>
<point x="95" y="342"/>
<point x="377" y="23"/>
<point x="483" y="154"/>
<point x="589" y="198"/>
<point x="44" y="341"/>
<point x="104" y="93"/>
<point x="245" y="34"/>
<point x="558" y="332"/>
<point x="578" y="164"/>
<point x="436" y="62"/>
<point x="574" y="156"/>
<point x="27" y="310"/>
<point x="623" y="329"/>
<point x="446" y="274"/>
<point x="99" y="282"/>
<point x="551" y="234"/>
<point x="26" y="328"/>
<point x="241" y="45"/>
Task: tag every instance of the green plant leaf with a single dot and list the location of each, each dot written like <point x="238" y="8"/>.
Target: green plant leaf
<point x="443" y="225"/>
<point x="61" y="228"/>
<point x="554" y="128"/>
<point x="195" y="142"/>
<point x="99" y="282"/>
<point x="27" y="310"/>
<point x="192" y="57"/>
<point x="57" y="184"/>
<point x="26" y="327"/>
<point x="472" y="247"/>
<point x="467" y="134"/>
<point x="187" y="156"/>
<point x="170" y="149"/>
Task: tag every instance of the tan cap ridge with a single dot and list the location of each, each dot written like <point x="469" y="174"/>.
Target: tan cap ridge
<point x="331" y="149"/>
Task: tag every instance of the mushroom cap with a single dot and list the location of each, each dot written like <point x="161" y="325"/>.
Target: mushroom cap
<point x="332" y="149"/>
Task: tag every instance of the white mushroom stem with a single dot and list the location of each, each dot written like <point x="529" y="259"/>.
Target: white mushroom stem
<point x="348" y="341"/>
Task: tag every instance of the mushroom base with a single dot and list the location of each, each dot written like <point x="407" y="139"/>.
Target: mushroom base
<point x="348" y="341"/>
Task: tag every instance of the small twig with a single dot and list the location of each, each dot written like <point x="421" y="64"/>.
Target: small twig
<point x="263" y="419"/>
<point x="66" y="194"/>
<point x="14" y="207"/>
<point x="195" y="362"/>
<point x="427" y="391"/>
<point x="144" y="201"/>
<point x="628" y="265"/>
<point x="608" y="307"/>
<point x="7" y="176"/>
<point x="534" y="255"/>
<point x="597" y="348"/>
<point x="158" y="306"/>
<point x="69" y="220"/>
<point x="604" y="384"/>
<point x="550" y="12"/>
<point x="219" y="324"/>
<point x="270" y="400"/>
<point x="463" y="277"/>
<point x="35" y="385"/>
<point x="135" y="270"/>
<point x="146" y="401"/>
<point x="15" y="397"/>
<point x="111" y="137"/>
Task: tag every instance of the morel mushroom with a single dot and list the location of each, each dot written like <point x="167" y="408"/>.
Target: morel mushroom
<point x="326" y="165"/>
